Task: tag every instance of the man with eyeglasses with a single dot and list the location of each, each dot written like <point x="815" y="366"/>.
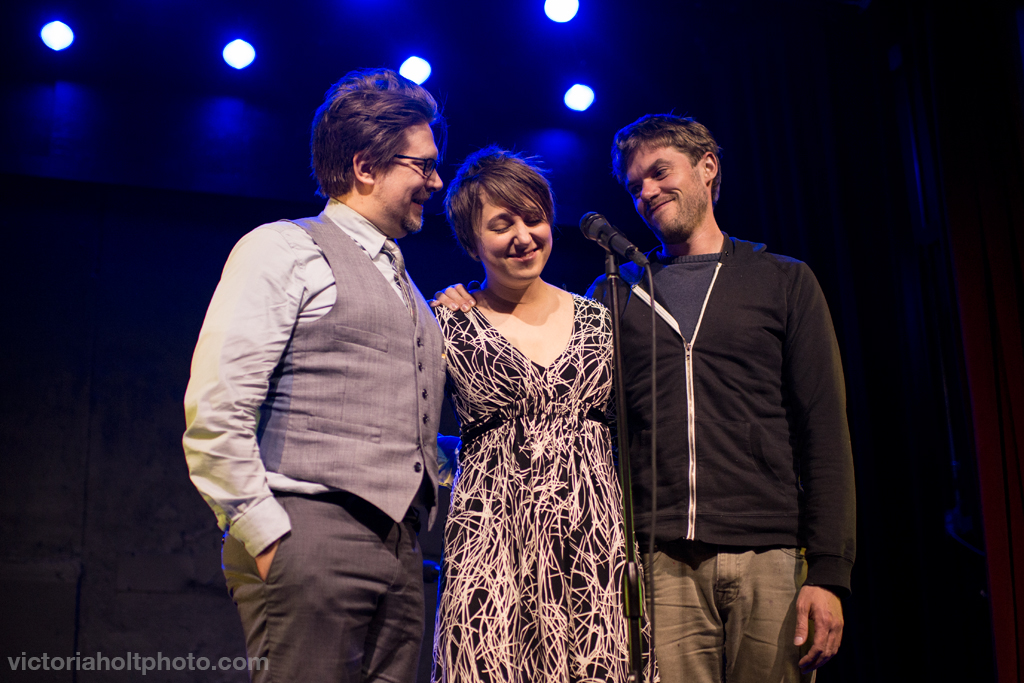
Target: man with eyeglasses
<point x="311" y="424"/>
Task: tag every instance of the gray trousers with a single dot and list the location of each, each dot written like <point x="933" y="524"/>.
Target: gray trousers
<point x="343" y="600"/>
<point x="725" y="615"/>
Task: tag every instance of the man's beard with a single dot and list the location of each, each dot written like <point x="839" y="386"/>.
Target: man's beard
<point x="411" y="226"/>
<point x="414" y="225"/>
<point x="690" y="210"/>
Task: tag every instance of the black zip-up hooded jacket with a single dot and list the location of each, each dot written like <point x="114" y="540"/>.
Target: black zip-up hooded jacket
<point x="770" y="463"/>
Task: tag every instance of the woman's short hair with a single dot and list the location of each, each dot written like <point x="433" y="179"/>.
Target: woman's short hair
<point x="665" y="130"/>
<point x="366" y="111"/>
<point x="511" y="180"/>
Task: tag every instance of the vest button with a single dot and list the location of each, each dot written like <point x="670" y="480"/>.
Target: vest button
<point x="420" y="366"/>
<point x="419" y="342"/>
<point x="424" y="393"/>
<point x="417" y="467"/>
<point x="425" y="418"/>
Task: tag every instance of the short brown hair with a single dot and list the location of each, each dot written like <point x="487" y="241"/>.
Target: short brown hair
<point x="510" y="180"/>
<point x="366" y="111"/>
<point x="665" y="130"/>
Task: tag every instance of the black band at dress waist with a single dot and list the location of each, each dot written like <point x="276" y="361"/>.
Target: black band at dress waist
<point x="481" y="427"/>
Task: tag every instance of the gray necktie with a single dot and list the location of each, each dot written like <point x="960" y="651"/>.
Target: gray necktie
<point x="398" y="264"/>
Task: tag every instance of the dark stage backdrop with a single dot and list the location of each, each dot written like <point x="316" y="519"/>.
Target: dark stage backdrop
<point x="985" y="215"/>
<point x="881" y="143"/>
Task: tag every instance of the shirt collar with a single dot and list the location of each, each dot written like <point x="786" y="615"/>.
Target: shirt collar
<point x="356" y="226"/>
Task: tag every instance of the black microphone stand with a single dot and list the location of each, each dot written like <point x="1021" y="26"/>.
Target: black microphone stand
<point x="631" y="576"/>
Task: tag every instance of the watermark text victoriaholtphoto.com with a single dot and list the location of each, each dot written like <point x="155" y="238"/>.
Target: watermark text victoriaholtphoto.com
<point x="133" y="661"/>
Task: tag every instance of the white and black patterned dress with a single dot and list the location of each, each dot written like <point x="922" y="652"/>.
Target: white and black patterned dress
<point x="530" y="587"/>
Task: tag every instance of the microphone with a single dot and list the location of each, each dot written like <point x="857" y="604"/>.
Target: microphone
<point x="596" y="227"/>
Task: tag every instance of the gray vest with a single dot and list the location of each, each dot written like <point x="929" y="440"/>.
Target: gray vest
<point x="355" y="400"/>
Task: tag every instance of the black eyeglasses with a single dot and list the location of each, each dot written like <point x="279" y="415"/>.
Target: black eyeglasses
<point x="426" y="166"/>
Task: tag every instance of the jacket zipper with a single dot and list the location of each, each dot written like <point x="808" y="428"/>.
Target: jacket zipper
<point x="691" y="411"/>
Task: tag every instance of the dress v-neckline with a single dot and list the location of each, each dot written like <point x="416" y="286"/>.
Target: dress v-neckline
<point x="508" y="342"/>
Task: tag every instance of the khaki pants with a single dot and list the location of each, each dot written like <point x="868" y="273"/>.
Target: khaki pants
<point x="727" y="614"/>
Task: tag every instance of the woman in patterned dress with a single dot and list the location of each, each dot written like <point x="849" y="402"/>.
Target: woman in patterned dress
<point x="534" y="550"/>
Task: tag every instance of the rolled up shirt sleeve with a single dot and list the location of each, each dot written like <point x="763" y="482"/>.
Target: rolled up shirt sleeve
<point x="254" y="309"/>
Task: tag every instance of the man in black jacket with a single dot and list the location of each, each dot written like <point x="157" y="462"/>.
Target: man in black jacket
<point x="755" y="529"/>
<point x="755" y="524"/>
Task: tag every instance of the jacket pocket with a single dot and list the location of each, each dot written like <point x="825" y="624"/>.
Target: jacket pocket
<point x="360" y="337"/>
<point x="734" y="476"/>
<point x="673" y="468"/>
<point x="343" y="430"/>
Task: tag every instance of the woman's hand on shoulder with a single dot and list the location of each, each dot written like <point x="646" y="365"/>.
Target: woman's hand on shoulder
<point x="455" y="297"/>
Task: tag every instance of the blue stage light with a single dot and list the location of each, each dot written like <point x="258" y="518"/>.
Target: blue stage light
<point x="415" y="69"/>
<point x="561" y="10"/>
<point x="57" y="35"/>
<point x="239" y="54"/>
<point x="579" y="97"/>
